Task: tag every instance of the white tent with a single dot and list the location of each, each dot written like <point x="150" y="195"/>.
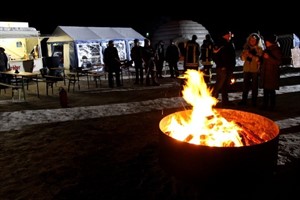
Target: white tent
<point x="76" y="42"/>
<point x="179" y="31"/>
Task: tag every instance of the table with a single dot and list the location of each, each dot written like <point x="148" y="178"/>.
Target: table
<point x="23" y="75"/>
<point x="97" y="74"/>
<point x="74" y="76"/>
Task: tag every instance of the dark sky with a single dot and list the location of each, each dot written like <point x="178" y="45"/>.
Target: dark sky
<point x="241" y="18"/>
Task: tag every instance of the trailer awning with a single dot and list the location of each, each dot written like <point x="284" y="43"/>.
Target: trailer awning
<point x="18" y="32"/>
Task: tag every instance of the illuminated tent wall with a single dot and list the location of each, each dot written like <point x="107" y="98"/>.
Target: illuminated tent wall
<point x="75" y="42"/>
<point x="288" y="42"/>
<point x="180" y="31"/>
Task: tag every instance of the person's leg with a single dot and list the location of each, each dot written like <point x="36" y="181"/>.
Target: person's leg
<point x="153" y="77"/>
<point x="160" y="68"/>
<point x="171" y="68"/>
<point x="147" y="70"/>
<point x="272" y="99"/>
<point x="152" y="71"/>
<point x="110" y="79"/>
<point x="136" y="75"/>
<point x="246" y="86"/>
<point x="141" y="74"/>
<point x="254" y="88"/>
<point x="221" y="75"/>
<point x="225" y="87"/>
<point x="175" y="66"/>
<point x="118" y="72"/>
<point x="207" y="73"/>
<point x="265" y="99"/>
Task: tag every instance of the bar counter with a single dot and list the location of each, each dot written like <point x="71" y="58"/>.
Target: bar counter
<point x="22" y="65"/>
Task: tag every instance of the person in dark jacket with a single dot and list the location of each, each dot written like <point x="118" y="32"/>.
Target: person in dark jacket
<point x="270" y="71"/>
<point x="192" y="54"/>
<point x="3" y="65"/>
<point x="159" y="58"/>
<point x="224" y="57"/>
<point x="172" y="57"/>
<point x="136" y="56"/>
<point x="112" y="63"/>
<point x="149" y="62"/>
<point x="206" y="57"/>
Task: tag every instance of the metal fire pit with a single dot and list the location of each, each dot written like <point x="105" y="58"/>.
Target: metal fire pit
<point x="200" y="164"/>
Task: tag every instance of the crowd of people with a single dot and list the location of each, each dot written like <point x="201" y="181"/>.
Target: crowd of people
<point x="152" y="59"/>
<point x="261" y="58"/>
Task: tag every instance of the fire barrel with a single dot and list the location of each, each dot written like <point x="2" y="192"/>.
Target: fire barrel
<point x="201" y="164"/>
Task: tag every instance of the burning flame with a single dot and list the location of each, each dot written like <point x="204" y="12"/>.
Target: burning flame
<point x="203" y="126"/>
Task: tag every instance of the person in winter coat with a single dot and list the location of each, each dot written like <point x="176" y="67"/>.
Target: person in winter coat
<point x="137" y="58"/>
<point x="3" y="65"/>
<point x="172" y="57"/>
<point x="192" y="54"/>
<point x="270" y="71"/>
<point x="112" y="63"/>
<point x="251" y="55"/>
<point x="159" y="58"/>
<point x="206" y="57"/>
<point x="148" y="55"/>
<point x="224" y="57"/>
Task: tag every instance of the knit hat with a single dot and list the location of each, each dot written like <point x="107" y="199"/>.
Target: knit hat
<point x="271" y="38"/>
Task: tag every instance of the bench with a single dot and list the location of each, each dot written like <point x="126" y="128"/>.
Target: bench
<point x="15" y="88"/>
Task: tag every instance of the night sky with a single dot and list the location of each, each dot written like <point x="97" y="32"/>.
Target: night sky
<point x="242" y="19"/>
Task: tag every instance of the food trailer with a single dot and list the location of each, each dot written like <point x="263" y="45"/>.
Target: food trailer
<point x="22" y="46"/>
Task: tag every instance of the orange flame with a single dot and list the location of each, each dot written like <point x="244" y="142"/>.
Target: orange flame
<point x="203" y="125"/>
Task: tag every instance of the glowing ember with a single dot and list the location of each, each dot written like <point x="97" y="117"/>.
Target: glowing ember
<point x="232" y="81"/>
<point x="203" y="125"/>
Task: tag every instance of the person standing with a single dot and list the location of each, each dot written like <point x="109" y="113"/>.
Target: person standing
<point x="206" y="57"/>
<point x="3" y="60"/>
<point x="270" y="71"/>
<point x="136" y="56"/>
<point x="112" y="64"/>
<point x="172" y="57"/>
<point x="3" y="64"/>
<point x="224" y="57"/>
<point x="159" y="58"/>
<point x="149" y="62"/>
<point x="192" y="54"/>
<point x="251" y="55"/>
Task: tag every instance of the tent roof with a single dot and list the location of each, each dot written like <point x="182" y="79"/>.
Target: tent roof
<point x="69" y="33"/>
<point x="18" y="32"/>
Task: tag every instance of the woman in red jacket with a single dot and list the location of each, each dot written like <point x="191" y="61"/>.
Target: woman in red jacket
<point x="270" y="71"/>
